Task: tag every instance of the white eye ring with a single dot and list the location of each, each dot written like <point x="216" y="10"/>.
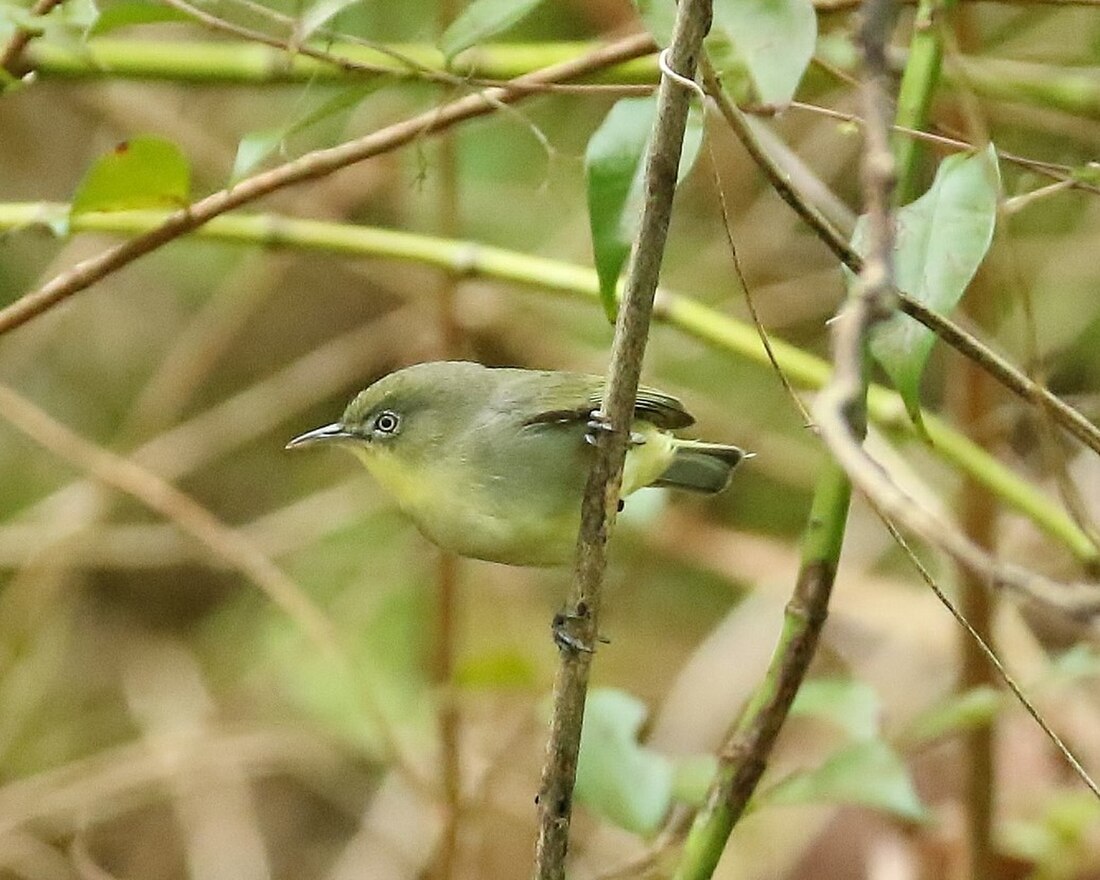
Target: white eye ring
<point x="386" y="422"/>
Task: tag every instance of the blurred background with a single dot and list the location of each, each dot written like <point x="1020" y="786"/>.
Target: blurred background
<point x="162" y="717"/>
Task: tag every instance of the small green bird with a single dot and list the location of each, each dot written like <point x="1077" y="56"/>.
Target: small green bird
<point x="491" y="463"/>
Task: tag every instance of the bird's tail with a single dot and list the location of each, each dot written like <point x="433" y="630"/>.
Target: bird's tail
<point x="701" y="467"/>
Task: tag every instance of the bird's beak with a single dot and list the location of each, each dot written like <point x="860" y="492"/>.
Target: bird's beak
<point x="335" y="431"/>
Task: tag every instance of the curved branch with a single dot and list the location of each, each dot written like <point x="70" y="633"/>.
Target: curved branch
<point x="318" y="163"/>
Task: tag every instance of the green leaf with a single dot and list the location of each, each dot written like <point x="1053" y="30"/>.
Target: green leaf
<point x="621" y="780"/>
<point x="257" y="146"/>
<point x="1079" y="663"/>
<point x="614" y="174"/>
<point x="144" y="172"/>
<point x="1060" y="841"/>
<point x="79" y="14"/>
<point x="481" y="20"/>
<point x="253" y="149"/>
<point x="868" y="774"/>
<point x="969" y="710"/>
<point x="851" y="705"/>
<point x="319" y="14"/>
<point x="942" y="238"/>
<point x="770" y="40"/>
<point x="659" y="17"/>
<point x="127" y="13"/>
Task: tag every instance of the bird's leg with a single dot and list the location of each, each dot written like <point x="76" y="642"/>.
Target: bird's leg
<point x="565" y="640"/>
<point x="597" y="422"/>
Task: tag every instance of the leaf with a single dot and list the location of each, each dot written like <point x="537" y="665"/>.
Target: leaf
<point x="659" y="17"/>
<point x="480" y="20"/>
<point x="144" y="172"/>
<point x="941" y="240"/>
<point x="79" y="14"/>
<point x="621" y="780"/>
<point x="771" y="40"/>
<point x="255" y="147"/>
<point x="1061" y="835"/>
<point x="126" y="13"/>
<point x="614" y="174"/>
<point x="318" y="15"/>
<point x="969" y="710"/>
<point x="1079" y="663"/>
<point x="851" y="705"/>
<point x="868" y="774"/>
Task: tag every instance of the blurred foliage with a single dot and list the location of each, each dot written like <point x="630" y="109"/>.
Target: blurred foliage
<point x="159" y="717"/>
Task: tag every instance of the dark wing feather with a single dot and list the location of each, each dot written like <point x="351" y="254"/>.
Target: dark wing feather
<point x="656" y="407"/>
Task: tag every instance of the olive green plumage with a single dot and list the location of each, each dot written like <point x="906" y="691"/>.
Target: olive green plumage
<point x="491" y="462"/>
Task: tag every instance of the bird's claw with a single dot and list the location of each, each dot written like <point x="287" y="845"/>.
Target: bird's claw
<point x="599" y="423"/>
<point x="567" y="641"/>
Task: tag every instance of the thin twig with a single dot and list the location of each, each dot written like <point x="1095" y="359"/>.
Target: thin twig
<point x="988" y="652"/>
<point x="318" y="163"/>
<point x="292" y="44"/>
<point x="944" y="138"/>
<point x="849" y="5"/>
<point x="601" y="494"/>
<point x="947" y="330"/>
<point x="157" y="494"/>
<point x="447" y="595"/>
<point x="9" y="58"/>
<point x="870" y="302"/>
<point x="750" y="300"/>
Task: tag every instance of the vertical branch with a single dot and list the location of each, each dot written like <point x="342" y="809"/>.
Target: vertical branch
<point x="977" y="516"/>
<point x="601" y="495"/>
<point x="918" y="85"/>
<point x="744" y="754"/>
<point x="447" y="569"/>
<point x="977" y="508"/>
<point x="839" y="409"/>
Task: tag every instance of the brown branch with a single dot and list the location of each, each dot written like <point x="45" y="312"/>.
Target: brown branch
<point x="601" y="494"/>
<point x="9" y="59"/>
<point x="311" y="166"/>
<point x="871" y="301"/>
<point x="293" y="46"/>
<point x="850" y="5"/>
<point x="947" y="330"/>
<point x="943" y="136"/>
<point x="157" y="494"/>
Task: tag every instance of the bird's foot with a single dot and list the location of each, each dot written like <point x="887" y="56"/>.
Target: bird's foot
<point x="599" y="423"/>
<point x="562" y="626"/>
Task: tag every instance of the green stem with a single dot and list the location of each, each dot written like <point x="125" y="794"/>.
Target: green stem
<point x="239" y="62"/>
<point x="1075" y="91"/>
<point x="744" y="754"/>
<point x="918" y="84"/>
<point x="717" y="330"/>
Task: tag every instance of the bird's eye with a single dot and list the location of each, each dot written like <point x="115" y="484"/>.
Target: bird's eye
<point x="386" y="423"/>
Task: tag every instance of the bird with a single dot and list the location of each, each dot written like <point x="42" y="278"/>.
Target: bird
<point x="491" y="462"/>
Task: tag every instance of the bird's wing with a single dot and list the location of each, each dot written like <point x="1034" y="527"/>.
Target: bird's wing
<point x="575" y="400"/>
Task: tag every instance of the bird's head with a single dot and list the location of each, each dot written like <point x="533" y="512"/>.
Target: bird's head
<point x="404" y="415"/>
